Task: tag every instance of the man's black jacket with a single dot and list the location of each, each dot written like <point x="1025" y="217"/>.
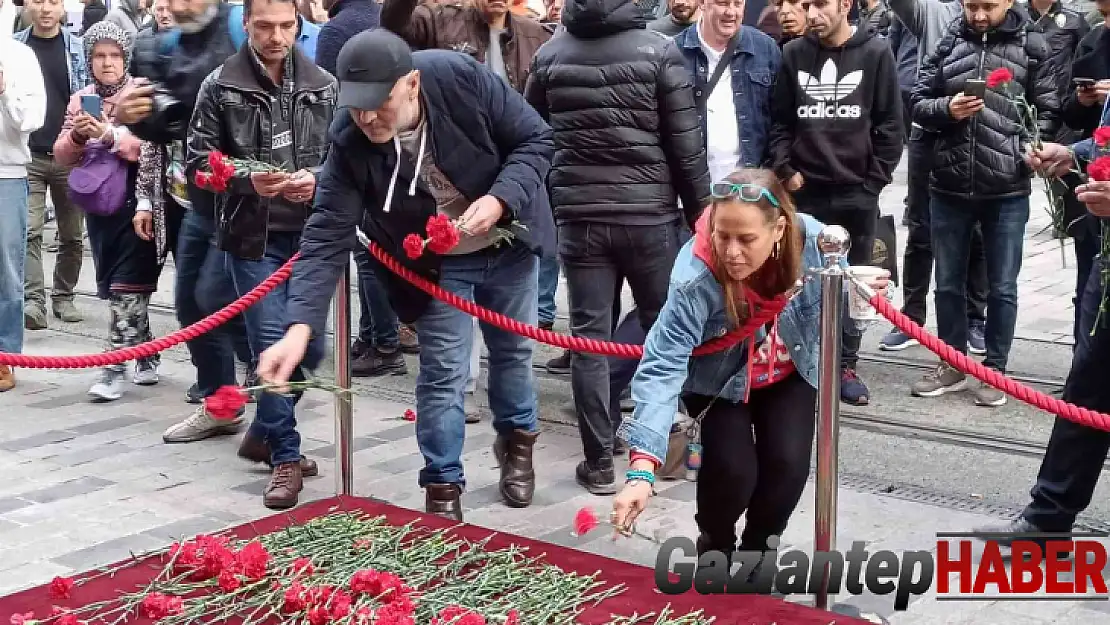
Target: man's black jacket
<point x="234" y="115"/>
<point x="983" y="157"/>
<point x="621" y="105"/>
<point x="487" y="141"/>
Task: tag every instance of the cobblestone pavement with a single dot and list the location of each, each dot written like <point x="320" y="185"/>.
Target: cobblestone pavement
<point x="90" y="483"/>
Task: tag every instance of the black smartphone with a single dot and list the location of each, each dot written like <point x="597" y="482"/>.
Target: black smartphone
<point x="1083" y="83"/>
<point x="976" y="88"/>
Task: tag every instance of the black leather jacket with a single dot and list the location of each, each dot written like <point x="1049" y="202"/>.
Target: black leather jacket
<point x="982" y="157"/>
<point x="233" y="116"/>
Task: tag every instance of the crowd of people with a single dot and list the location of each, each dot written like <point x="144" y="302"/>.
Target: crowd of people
<point x="692" y="149"/>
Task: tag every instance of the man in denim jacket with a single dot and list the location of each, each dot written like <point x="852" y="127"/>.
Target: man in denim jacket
<point x="1075" y="454"/>
<point x="736" y="113"/>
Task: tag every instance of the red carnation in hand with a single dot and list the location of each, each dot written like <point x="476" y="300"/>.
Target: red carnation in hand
<point x="999" y="77"/>
<point x="225" y="403"/>
<point x="1102" y="136"/>
<point x="203" y="179"/>
<point x="413" y="246"/>
<point x="584" y="521"/>
<point x="1099" y="169"/>
<point x="221" y="165"/>
<point x="443" y="236"/>
<point x="61" y="587"/>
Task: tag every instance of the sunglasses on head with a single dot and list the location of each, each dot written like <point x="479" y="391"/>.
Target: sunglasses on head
<point x="746" y="192"/>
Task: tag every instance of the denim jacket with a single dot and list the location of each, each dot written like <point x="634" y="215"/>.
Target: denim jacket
<point x="755" y="63"/>
<point x="75" y="49"/>
<point x="695" y="313"/>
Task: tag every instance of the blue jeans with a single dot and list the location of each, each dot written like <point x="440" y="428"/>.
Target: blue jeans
<point x="13" y="251"/>
<point x="1003" y="224"/>
<point x="377" y="323"/>
<point x="275" y="420"/>
<point x="503" y="281"/>
<point x="200" y="284"/>
<point x="549" y="283"/>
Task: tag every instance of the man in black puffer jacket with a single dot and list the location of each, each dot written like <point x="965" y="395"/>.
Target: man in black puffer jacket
<point x="979" y="175"/>
<point x="628" y="146"/>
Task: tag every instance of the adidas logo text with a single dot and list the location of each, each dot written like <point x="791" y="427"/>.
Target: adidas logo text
<point x="822" y="111"/>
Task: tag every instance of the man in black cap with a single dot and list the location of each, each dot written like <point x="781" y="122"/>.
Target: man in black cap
<point x="418" y="135"/>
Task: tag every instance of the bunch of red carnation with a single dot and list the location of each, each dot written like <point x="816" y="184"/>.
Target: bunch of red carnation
<point x="325" y="604"/>
<point x="222" y="169"/>
<point x="207" y="557"/>
<point x="443" y="236"/>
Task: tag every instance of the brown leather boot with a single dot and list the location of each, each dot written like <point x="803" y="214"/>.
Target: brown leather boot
<point x="284" y="488"/>
<point x="7" y="378"/>
<point x="258" y="451"/>
<point x="443" y="500"/>
<point x="514" y="456"/>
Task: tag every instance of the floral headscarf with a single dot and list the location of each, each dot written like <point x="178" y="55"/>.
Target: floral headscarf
<point x="107" y="31"/>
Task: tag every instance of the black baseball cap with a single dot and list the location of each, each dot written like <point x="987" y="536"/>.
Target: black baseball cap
<point x="368" y="66"/>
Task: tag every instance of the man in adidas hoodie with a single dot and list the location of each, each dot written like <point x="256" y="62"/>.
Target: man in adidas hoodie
<point x="22" y="111"/>
<point x="837" y="136"/>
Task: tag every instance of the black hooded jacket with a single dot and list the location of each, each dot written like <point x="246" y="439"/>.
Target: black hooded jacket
<point x="982" y="157"/>
<point x="621" y="105"/>
<point x="837" y="113"/>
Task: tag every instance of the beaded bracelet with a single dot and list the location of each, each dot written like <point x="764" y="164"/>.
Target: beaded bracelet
<point x="639" y="474"/>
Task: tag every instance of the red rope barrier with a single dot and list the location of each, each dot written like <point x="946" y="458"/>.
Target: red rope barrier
<point x="146" y="350"/>
<point x="573" y="343"/>
<point x="1013" y="388"/>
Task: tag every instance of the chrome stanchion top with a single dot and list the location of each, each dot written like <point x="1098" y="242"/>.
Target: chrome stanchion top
<point x="834" y="243"/>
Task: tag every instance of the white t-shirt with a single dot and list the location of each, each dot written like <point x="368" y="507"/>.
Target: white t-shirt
<point x="722" y="143"/>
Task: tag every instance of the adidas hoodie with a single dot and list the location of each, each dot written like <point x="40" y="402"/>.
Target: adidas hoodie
<point x="837" y="113"/>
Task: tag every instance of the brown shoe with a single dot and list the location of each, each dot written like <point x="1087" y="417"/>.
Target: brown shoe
<point x="514" y="456"/>
<point x="284" y="488"/>
<point x="7" y="378"/>
<point x="256" y="450"/>
<point x="443" y="500"/>
<point x="410" y="342"/>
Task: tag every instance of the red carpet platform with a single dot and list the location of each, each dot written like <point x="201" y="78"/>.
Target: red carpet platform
<point x="640" y="597"/>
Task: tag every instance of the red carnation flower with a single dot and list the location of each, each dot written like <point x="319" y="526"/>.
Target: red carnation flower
<point x="203" y="179"/>
<point x="225" y="403"/>
<point x="294" y="600"/>
<point x="512" y="618"/>
<point x="67" y="619"/>
<point x="319" y="615"/>
<point x="999" y="77"/>
<point x="253" y="560"/>
<point x="1102" y="136"/>
<point x="157" y="606"/>
<point x="584" y="521"/>
<point x="458" y="615"/>
<point x="1099" y="169"/>
<point x="443" y="236"/>
<point x="229" y="581"/>
<point x="413" y="246"/>
<point x="302" y="566"/>
<point x="20" y="619"/>
<point x="410" y="415"/>
<point x="61" y="587"/>
<point x="395" y="613"/>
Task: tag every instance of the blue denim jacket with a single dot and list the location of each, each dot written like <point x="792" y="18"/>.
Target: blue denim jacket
<point x="695" y="313"/>
<point x="78" y="69"/>
<point x="755" y="63"/>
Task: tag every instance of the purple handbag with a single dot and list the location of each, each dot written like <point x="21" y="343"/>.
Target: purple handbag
<point x="99" y="184"/>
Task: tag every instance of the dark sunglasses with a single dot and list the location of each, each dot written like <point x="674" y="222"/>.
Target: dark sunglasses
<point x="746" y="192"/>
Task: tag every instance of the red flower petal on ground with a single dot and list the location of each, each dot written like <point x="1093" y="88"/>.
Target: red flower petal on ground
<point x="67" y="619"/>
<point x="584" y="521"/>
<point x="229" y="581"/>
<point x="294" y="600"/>
<point x="394" y="614"/>
<point x="410" y="415"/>
<point x="340" y="605"/>
<point x="302" y="566"/>
<point x="999" y="76"/>
<point x="458" y="615"/>
<point x="413" y="246"/>
<point x="513" y="618"/>
<point x="20" y="619"/>
<point x="253" y="560"/>
<point x="61" y="587"/>
<point x="225" y="403"/>
<point x="1099" y="169"/>
<point x="363" y="616"/>
<point x="1102" y="136"/>
<point x="318" y="615"/>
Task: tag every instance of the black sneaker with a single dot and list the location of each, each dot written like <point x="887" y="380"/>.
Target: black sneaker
<point x="378" y="362"/>
<point x="192" y="396"/>
<point x="358" y="348"/>
<point x="599" y="481"/>
<point x="559" y="365"/>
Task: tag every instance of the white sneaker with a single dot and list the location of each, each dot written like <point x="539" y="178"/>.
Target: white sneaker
<point x="109" y="387"/>
<point x="199" y="426"/>
<point x="146" y="373"/>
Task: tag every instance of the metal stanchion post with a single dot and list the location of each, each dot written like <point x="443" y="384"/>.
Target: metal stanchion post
<point x="344" y="408"/>
<point x="833" y="243"/>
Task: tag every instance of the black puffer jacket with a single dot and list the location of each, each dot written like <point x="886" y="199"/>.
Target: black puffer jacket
<point x="621" y="105"/>
<point x="981" y="157"/>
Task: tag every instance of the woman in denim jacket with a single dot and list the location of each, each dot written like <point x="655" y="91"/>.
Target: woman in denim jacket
<point x="755" y="401"/>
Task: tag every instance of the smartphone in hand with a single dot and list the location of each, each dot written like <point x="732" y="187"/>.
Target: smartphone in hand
<point x="976" y="88"/>
<point x="93" y="105"/>
<point x="1083" y="83"/>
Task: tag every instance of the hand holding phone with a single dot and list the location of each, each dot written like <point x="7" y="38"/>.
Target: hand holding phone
<point x="976" y="88"/>
<point x="1083" y="83"/>
<point x="93" y="105"/>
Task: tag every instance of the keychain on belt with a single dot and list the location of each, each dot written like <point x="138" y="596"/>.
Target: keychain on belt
<point x="693" y="452"/>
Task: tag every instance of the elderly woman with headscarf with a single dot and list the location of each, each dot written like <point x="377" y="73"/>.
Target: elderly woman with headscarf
<point x="105" y="158"/>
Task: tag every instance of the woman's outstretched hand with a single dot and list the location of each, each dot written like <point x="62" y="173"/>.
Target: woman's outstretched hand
<point x="631" y="500"/>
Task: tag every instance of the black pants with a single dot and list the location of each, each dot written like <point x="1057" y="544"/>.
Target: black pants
<point x="596" y="258"/>
<point x="755" y="462"/>
<point x="857" y="211"/>
<point x="1085" y="235"/>
<point x="917" y="262"/>
<point x="1073" y="460"/>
